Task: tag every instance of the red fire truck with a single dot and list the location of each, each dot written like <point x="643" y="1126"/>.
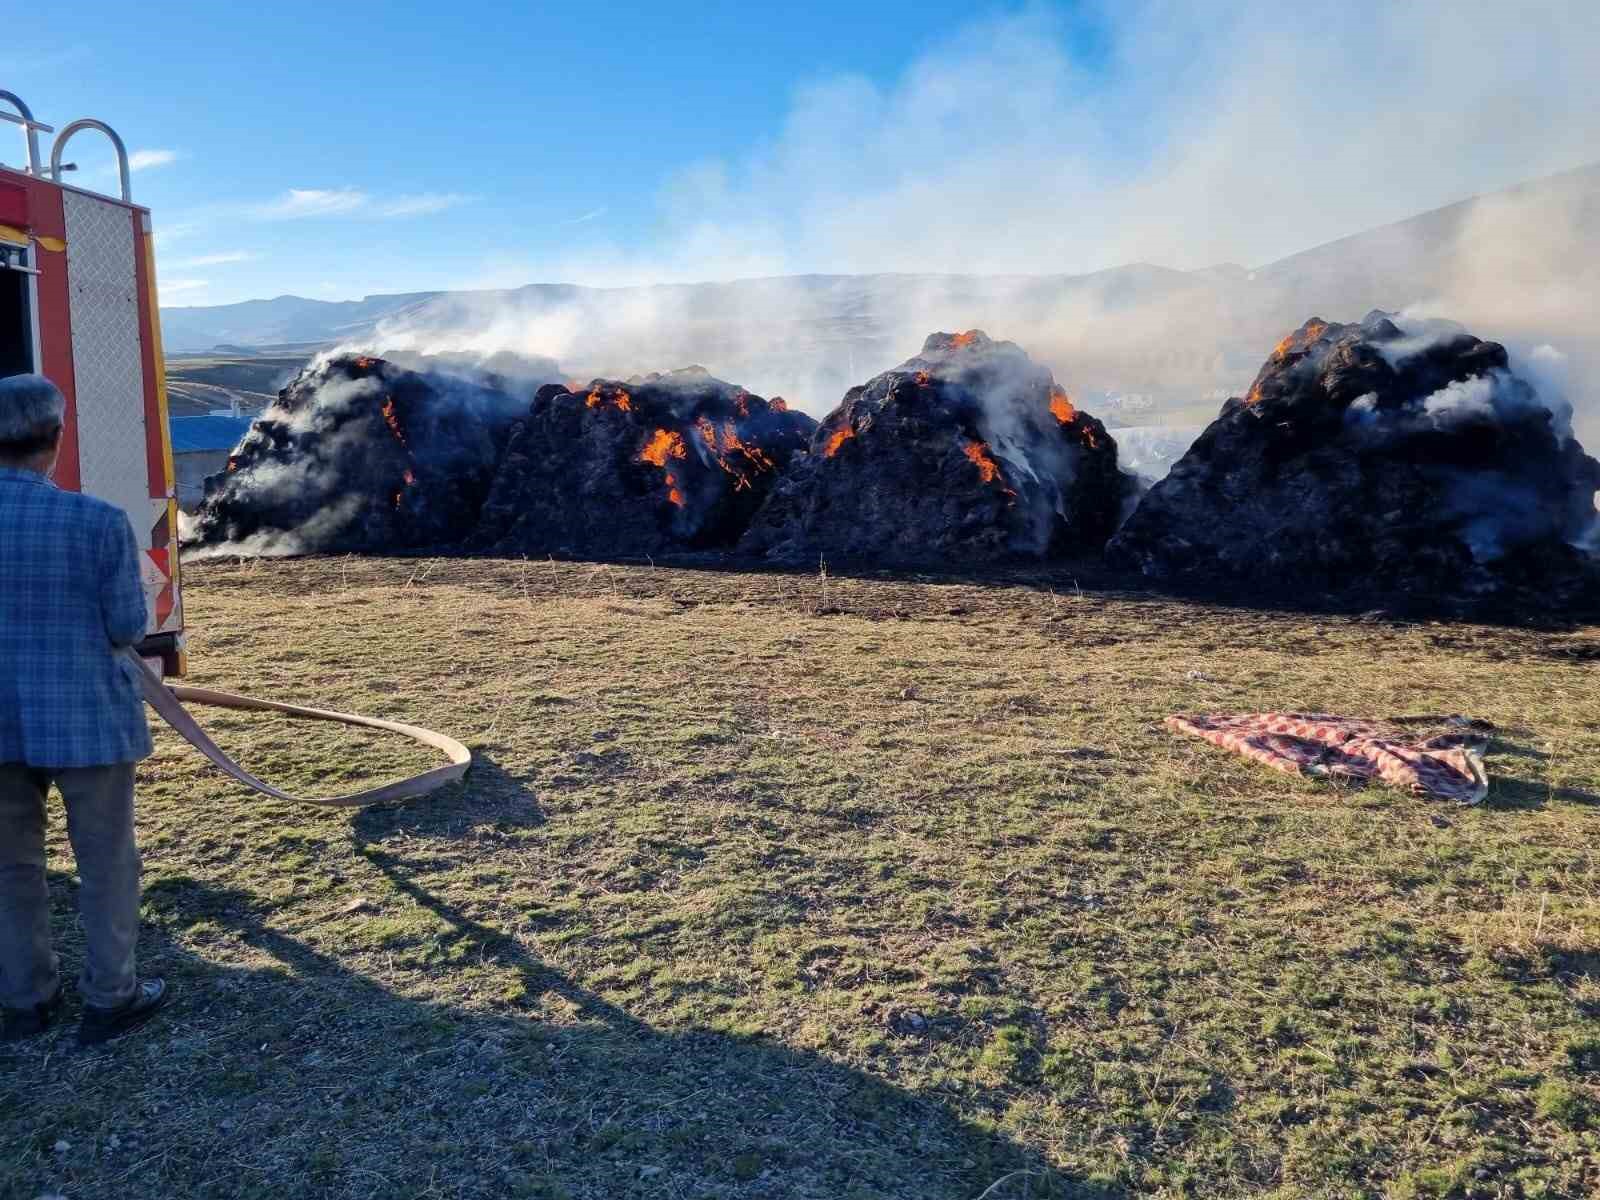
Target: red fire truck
<point x="78" y="305"/>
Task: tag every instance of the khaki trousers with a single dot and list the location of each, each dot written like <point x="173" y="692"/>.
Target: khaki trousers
<point x="99" y="802"/>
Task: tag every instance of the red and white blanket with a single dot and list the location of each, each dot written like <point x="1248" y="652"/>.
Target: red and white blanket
<point x="1446" y="766"/>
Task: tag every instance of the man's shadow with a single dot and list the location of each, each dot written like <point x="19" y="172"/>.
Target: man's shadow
<point x="302" y="1076"/>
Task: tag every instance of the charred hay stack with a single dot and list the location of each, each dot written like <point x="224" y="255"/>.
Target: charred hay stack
<point x="359" y="455"/>
<point x="1368" y="460"/>
<point x="651" y="465"/>
<point x="968" y="453"/>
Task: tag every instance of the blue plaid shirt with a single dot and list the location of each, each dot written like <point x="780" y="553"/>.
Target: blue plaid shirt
<point x="70" y="594"/>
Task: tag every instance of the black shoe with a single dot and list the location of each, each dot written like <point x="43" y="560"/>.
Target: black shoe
<point x="19" y="1023"/>
<point x="103" y="1024"/>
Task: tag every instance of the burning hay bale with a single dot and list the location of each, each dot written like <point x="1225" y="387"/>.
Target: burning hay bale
<point x="657" y="463"/>
<point x="969" y="453"/>
<point x="1379" y="461"/>
<point x="359" y="454"/>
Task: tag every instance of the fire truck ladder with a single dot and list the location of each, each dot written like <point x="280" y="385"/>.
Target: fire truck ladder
<point x="32" y="128"/>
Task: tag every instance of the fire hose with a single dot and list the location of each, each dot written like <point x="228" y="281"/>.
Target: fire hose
<point x="169" y="701"/>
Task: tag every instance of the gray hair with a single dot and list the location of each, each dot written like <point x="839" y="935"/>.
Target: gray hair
<point x="32" y="412"/>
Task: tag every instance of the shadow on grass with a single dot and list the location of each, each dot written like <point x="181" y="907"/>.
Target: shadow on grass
<point x="1525" y="794"/>
<point x="303" y="1077"/>
<point x="1521" y="794"/>
<point x="490" y="796"/>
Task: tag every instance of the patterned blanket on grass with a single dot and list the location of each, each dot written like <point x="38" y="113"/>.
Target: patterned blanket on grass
<point x="1448" y="765"/>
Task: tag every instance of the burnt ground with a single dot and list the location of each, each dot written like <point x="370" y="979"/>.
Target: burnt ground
<point x="772" y="885"/>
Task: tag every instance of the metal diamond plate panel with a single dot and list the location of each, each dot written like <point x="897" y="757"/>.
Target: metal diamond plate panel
<point x="107" y="366"/>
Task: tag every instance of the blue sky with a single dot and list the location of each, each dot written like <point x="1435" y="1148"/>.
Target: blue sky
<point x="419" y="134"/>
<point x="337" y="149"/>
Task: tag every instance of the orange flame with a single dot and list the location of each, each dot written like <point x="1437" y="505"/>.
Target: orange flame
<point x="988" y="469"/>
<point x="978" y="452"/>
<point x="619" y="398"/>
<point x="778" y="404"/>
<point x="836" y="439"/>
<point x="758" y="457"/>
<point x="923" y="378"/>
<point x="1061" y="405"/>
<point x="741" y="403"/>
<point x="755" y="455"/>
<point x="957" y="341"/>
<point x="725" y="441"/>
<point x="410" y="478"/>
<point x="1312" y="331"/>
<point x="663" y="444"/>
<point x="364" y="363"/>
<point x="392" y="419"/>
<point x="1089" y="439"/>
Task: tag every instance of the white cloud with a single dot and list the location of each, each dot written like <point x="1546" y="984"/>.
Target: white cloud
<point x="591" y="215"/>
<point x="350" y="201"/>
<point x="421" y="205"/>
<point x="138" y="160"/>
<point x="169" y="287"/>
<point x="144" y="160"/>
<point x="297" y="203"/>
<point x="214" y="260"/>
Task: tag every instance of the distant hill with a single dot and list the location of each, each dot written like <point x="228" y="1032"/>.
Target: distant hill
<point x="233" y="376"/>
<point x="240" y="328"/>
<point x="1554" y="224"/>
<point x="1521" y="264"/>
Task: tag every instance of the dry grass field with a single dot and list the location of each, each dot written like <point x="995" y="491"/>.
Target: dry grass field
<point x="784" y="886"/>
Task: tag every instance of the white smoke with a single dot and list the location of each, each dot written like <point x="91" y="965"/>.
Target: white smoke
<point x="1462" y="400"/>
<point x="1550" y="373"/>
<point x="1000" y="161"/>
<point x="1545" y="370"/>
<point x="336" y="399"/>
<point x="1148" y="451"/>
<point x="307" y="538"/>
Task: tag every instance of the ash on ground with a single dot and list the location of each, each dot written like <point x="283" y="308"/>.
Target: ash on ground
<point x="650" y="465"/>
<point x="968" y="453"/>
<point x="1378" y="461"/>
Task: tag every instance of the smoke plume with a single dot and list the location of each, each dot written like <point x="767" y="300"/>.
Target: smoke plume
<point x="995" y="183"/>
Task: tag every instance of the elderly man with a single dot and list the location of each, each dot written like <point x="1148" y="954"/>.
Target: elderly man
<point x="71" y="715"/>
